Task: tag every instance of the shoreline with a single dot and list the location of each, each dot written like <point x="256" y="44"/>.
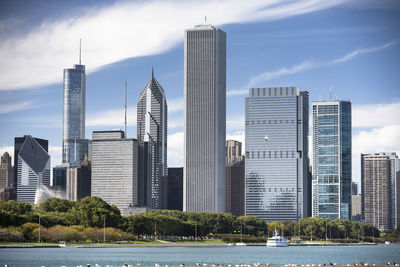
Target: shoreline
<point x="176" y="245"/>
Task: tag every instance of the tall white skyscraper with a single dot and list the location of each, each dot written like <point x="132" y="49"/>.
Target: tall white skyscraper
<point x="152" y="143"/>
<point x="114" y="169"/>
<point x="331" y="172"/>
<point x="74" y="145"/>
<point x="276" y="169"/>
<point x="204" y="178"/>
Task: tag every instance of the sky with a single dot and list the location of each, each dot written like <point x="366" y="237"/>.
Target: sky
<point x="351" y="48"/>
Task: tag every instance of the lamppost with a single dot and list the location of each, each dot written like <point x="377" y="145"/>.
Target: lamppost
<point x="104" y="228"/>
<point x="39" y="227"/>
<point x="195" y="230"/>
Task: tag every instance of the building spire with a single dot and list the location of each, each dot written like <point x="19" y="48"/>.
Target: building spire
<point x="126" y="93"/>
<point x="152" y="71"/>
<point x="80" y="50"/>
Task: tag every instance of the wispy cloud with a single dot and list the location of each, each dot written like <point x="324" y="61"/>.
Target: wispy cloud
<point x="304" y="66"/>
<point x="376" y="115"/>
<point x="159" y="26"/>
<point x="8" y="108"/>
<point x="112" y="117"/>
<point x="175" y="105"/>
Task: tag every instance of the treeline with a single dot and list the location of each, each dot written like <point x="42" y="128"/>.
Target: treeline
<point x="75" y="218"/>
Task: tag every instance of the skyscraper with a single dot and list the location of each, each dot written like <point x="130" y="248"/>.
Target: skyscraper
<point x="235" y="187"/>
<point x="233" y="151"/>
<point x="204" y="178"/>
<point x="33" y="169"/>
<point x="152" y="143"/>
<point x="331" y="179"/>
<point x="7" y="189"/>
<point x="78" y="181"/>
<point x="379" y="185"/>
<point x="114" y="169"/>
<point x="276" y="168"/>
<point x="18" y="142"/>
<point x="74" y="145"/>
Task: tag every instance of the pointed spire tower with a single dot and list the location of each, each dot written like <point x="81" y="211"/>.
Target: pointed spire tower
<point x="152" y="142"/>
<point x="74" y="111"/>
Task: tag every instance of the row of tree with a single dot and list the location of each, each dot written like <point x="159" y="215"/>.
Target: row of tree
<point x="93" y="212"/>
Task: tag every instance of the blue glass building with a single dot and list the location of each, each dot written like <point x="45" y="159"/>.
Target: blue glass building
<point x="278" y="185"/>
<point x="74" y="145"/>
<point x="331" y="183"/>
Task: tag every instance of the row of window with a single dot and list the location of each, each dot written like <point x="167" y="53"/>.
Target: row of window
<point x="273" y="154"/>
<point x="263" y="189"/>
<point x="272" y="122"/>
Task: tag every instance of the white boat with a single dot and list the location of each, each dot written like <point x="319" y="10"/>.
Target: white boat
<point x="277" y="241"/>
<point x="241" y="244"/>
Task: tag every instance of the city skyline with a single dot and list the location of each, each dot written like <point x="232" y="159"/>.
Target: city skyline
<point x="354" y="56"/>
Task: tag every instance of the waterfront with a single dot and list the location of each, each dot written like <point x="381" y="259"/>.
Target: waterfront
<point x="148" y="256"/>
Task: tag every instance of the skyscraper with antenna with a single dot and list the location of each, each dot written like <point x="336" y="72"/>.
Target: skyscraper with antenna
<point x="152" y="143"/>
<point x="74" y="145"/>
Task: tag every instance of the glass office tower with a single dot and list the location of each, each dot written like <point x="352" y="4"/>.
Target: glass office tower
<point x="276" y="170"/>
<point x="331" y="184"/>
<point x="74" y="145"/>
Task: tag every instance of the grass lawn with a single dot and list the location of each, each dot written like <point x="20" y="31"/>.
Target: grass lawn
<point x="205" y="241"/>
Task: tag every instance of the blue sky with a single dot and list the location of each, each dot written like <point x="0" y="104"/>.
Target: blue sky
<point x="352" y="47"/>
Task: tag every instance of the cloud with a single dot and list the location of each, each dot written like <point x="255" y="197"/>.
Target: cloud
<point x="235" y="123"/>
<point x="175" y="149"/>
<point x="113" y="117"/>
<point x="175" y="105"/>
<point x="304" y="66"/>
<point x="124" y="30"/>
<point x="7" y="108"/>
<point x="376" y="115"/>
<point x="381" y="139"/>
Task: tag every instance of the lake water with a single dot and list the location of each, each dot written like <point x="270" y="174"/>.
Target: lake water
<point x="147" y="256"/>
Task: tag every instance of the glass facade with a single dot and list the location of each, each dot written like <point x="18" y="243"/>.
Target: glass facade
<point x="74" y="143"/>
<point x="276" y="167"/>
<point x="332" y="159"/>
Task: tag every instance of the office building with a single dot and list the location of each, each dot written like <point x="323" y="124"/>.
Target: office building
<point x="235" y="186"/>
<point x="33" y="170"/>
<point x="276" y="167"/>
<point x="331" y="179"/>
<point x="356" y="212"/>
<point x="74" y="145"/>
<point x="114" y="169"/>
<point x="204" y="177"/>
<point x="18" y="142"/>
<point x="233" y="151"/>
<point x="78" y="181"/>
<point x="6" y="178"/>
<point x="174" y="189"/>
<point x="60" y="176"/>
<point x="380" y="189"/>
<point x="152" y="143"/>
<point x="354" y="188"/>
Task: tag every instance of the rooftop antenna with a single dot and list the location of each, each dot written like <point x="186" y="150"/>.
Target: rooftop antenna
<point x="80" y="49"/>
<point x="205" y="19"/>
<point x="330" y="93"/>
<point x="126" y="93"/>
<point x="152" y="71"/>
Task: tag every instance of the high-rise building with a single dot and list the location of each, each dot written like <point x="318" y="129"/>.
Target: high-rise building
<point x="6" y="171"/>
<point x="60" y="176"/>
<point x="235" y="187"/>
<point x="276" y="168"/>
<point x="74" y="145"/>
<point x="331" y="179"/>
<point x="354" y="188"/>
<point x="204" y="178"/>
<point x="174" y="189"/>
<point x="233" y="151"/>
<point x="356" y="214"/>
<point x="114" y="169"/>
<point x="152" y="143"/>
<point x="33" y="169"/>
<point x="379" y="185"/>
<point x="78" y="181"/>
<point x="7" y="189"/>
<point x="18" y="142"/>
